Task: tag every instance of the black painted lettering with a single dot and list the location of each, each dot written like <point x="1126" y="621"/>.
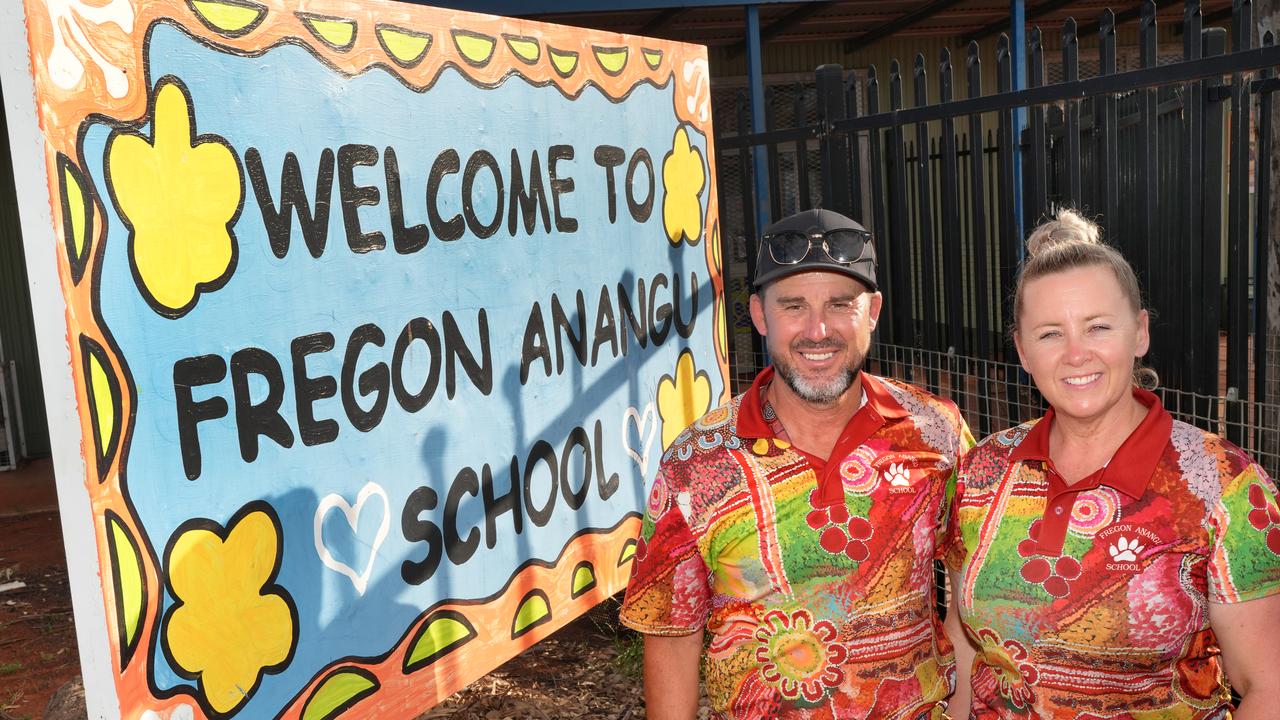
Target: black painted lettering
<point x="610" y="157"/>
<point x="307" y="390"/>
<point x="415" y="529"/>
<point x="606" y="327"/>
<point x="446" y="163"/>
<point x="542" y="453"/>
<point x="456" y="350"/>
<point x="527" y="204"/>
<point x="640" y="209"/>
<point x="459" y="550"/>
<point x="661" y="314"/>
<point x="562" y="326"/>
<point x="405" y="239"/>
<point x="418" y="328"/>
<point x="560" y="186"/>
<point x="375" y="380"/>
<point x="605" y="487"/>
<point x="496" y="505"/>
<point x="536" y="346"/>
<point x="356" y="196"/>
<point x="641" y="326"/>
<point x="188" y="373"/>
<point x="577" y="440"/>
<point x="481" y="159"/>
<point x="685" y="329"/>
<point x="264" y="418"/>
<point x="293" y="202"/>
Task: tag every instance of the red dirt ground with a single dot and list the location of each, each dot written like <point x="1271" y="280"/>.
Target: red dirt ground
<point x="37" y="634"/>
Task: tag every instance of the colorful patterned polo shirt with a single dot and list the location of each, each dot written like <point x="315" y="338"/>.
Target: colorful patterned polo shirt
<point x="1092" y="600"/>
<point x="814" y="580"/>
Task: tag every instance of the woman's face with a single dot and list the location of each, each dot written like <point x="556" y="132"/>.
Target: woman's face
<point x="1078" y="336"/>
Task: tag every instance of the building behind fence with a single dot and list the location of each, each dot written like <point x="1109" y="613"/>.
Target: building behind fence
<point x="1170" y="158"/>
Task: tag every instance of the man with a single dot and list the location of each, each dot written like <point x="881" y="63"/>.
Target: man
<point x="798" y="525"/>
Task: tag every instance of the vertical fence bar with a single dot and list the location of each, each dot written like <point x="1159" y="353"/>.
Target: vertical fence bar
<point x="746" y="168"/>
<point x="952" y="259"/>
<point x="1262" y="191"/>
<point x="748" y="197"/>
<point x="805" y="201"/>
<point x="924" y="217"/>
<point x="854" y="144"/>
<point x="1107" y="168"/>
<point x="1148" y="180"/>
<point x="1209" y="303"/>
<point x="831" y="109"/>
<point x="1148" y="133"/>
<point x="899" y="236"/>
<point x="888" y="263"/>
<point x="1071" y="140"/>
<point x="1037" y="176"/>
<point x="1009" y="236"/>
<point x="978" y="239"/>
<point x="1189" y="321"/>
<point x="1237" y="232"/>
<point x="771" y="152"/>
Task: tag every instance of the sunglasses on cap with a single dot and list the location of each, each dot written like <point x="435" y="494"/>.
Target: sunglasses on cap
<point x="841" y="246"/>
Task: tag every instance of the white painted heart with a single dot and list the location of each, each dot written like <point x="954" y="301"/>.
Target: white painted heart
<point x="333" y="500"/>
<point x="646" y="425"/>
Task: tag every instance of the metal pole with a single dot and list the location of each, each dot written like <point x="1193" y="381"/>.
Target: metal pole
<point x="755" y="81"/>
<point x="1018" y="52"/>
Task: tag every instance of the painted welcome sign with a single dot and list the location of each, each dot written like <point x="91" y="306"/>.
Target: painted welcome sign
<point x="379" y="319"/>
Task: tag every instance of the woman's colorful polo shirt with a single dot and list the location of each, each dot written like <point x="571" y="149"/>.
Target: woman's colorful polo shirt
<point x="1092" y="600"/>
<point x="814" y="580"/>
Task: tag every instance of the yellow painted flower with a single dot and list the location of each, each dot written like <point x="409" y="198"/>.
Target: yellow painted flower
<point x="231" y="622"/>
<point x="683" y="398"/>
<point x="179" y="194"/>
<point x="683" y="178"/>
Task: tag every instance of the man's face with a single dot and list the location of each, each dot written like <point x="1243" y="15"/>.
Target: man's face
<point x="817" y="326"/>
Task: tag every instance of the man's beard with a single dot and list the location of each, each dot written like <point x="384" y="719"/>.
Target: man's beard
<point x="818" y="392"/>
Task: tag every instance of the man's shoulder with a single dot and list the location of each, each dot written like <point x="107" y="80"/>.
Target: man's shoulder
<point x="936" y="419"/>
<point x="717" y="430"/>
<point x="913" y="397"/>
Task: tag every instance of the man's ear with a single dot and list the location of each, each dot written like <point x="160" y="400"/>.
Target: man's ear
<point x="757" y="313"/>
<point x="873" y="309"/>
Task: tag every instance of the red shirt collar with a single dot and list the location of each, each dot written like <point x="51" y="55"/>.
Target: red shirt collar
<point x="751" y="422"/>
<point x="1135" y="461"/>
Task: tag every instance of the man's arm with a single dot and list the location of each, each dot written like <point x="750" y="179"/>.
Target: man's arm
<point x="958" y="705"/>
<point x="1247" y="635"/>
<point x="671" y="676"/>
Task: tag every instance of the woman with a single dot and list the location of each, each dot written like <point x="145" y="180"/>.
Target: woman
<point x="1112" y="562"/>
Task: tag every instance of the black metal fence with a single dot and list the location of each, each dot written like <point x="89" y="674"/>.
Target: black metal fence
<point x="1170" y="159"/>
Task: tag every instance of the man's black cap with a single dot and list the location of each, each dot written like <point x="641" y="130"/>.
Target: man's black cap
<point x="813" y="223"/>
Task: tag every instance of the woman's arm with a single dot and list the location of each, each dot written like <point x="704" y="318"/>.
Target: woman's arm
<point x="1249" y="635"/>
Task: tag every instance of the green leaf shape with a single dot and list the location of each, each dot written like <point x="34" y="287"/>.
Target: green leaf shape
<point x="441" y="634"/>
<point x="339" y="692"/>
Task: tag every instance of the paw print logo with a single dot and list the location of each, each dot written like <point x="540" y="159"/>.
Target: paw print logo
<point x="1125" y="550"/>
<point x="840" y="532"/>
<point x="1054" y="576"/>
<point x="898" y="476"/>
<point x="1265" y="516"/>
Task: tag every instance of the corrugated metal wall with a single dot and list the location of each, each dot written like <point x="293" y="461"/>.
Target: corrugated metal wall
<point x="17" y="329"/>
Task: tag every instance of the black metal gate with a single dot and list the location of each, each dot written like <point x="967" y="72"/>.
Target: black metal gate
<point x="1170" y="159"/>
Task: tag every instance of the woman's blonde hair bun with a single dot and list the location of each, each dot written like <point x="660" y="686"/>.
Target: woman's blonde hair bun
<point x="1066" y="227"/>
